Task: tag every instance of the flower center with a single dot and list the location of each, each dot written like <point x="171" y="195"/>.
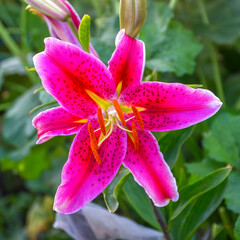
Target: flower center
<point x="113" y="115"/>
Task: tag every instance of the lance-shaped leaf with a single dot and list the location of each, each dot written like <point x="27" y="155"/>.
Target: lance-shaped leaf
<point x="190" y="193"/>
<point x="172" y="142"/>
<point x="197" y="212"/>
<point x="140" y="202"/>
<point x="113" y="189"/>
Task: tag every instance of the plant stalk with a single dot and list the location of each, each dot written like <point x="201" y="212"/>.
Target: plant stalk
<point x="13" y="47"/>
<point x="173" y="4"/>
<point x="161" y="222"/>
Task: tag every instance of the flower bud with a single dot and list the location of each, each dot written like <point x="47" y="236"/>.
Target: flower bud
<point x="132" y="16"/>
<point x="52" y="8"/>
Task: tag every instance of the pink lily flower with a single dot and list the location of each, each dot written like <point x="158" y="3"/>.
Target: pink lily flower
<point x="59" y="28"/>
<point x="111" y="112"/>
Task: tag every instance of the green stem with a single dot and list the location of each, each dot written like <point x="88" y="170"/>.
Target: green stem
<point x="73" y="28"/>
<point x="226" y="221"/>
<point x="13" y="47"/>
<point x="173" y="3"/>
<point x="161" y="222"/>
<point x="202" y="77"/>
<point x="203" y="12"/>
<point x="24" y="28"/>
<point x="216" y="72"/>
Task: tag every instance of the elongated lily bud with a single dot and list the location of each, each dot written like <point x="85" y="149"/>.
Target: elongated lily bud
<point x="132" y="16"/>
<point x="52" y="8"/>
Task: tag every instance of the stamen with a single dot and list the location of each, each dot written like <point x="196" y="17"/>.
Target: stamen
<point x="93" y="138"/>
<point x="101" y="121"/>
<point x="138" y="118"/>
<point x="95" y="152"/>
<point x="135" y="136"/>
<point x="119" y="112"/>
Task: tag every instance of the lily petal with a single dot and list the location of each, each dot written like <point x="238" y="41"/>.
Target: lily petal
<point x="170" y="106"/>
<point x="54" y="122"/>
<point x="60" y="30"/>
<point x="128" y="60"/>
<point x="150" y="170"/>
<point x="83" y="178"/>
<point x="67" y="72"/>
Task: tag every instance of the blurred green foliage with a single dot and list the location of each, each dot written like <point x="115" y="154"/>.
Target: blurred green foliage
<point x="197" y="42"/>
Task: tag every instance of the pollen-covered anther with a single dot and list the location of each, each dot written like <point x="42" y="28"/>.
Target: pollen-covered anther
<point x="138" y="118"/>
<point x="93" y="138"/>
<point x="95" y="152"/>
<point x="101" y="121"/>
<point x="119" y="112"/>
<point x="135" y="136"/>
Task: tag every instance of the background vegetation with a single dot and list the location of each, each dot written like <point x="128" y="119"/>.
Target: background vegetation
<point x="193" y="42"/>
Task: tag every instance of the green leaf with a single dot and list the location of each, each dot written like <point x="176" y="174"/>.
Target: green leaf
<point x="140" y="201"/>
<point x="84" y="32"/>
<point x="197" y="212"/>
<point x="223" y="19"/>
<point x="44" y="97"/>
<point x="113" y="189"/>
<point x="171" y="143"/>
<point x="171" y="48"/>
<point x="232" y="195"/>
<point x="237" y="229"/>
<point x="17" y="124"/>
<point x="199" y="170"/>
<point x="223" y="142"/>
<point x="31" y="166"/>
<point x="191" y="192"/>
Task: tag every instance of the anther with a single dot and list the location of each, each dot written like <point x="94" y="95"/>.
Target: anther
<point x="95" y="152"/>
<point x="135" y="136"/>
<point x="119" y="112"/>
<point x="93" y="138"/>
<point x="138" y="118"/>
<point x="101" y="121"/>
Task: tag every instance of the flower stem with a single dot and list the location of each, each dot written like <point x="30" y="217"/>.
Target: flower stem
<point x="203" y="12"/>
<point x="13" y="47"/>
<point x="216" y="72"/>
<point x="173" y="3"/>
<point x="226" y="222"/>
<point x="161" y="222"/>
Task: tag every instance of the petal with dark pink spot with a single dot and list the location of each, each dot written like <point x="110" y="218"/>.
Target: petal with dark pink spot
<point x="66" y="72"/>
<point x="150" y="170"/>
<point x="128" y="60"/>
<point x="83" y="178"/>
<point x="170" y="106"/>
<point x="54" y="122"/>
